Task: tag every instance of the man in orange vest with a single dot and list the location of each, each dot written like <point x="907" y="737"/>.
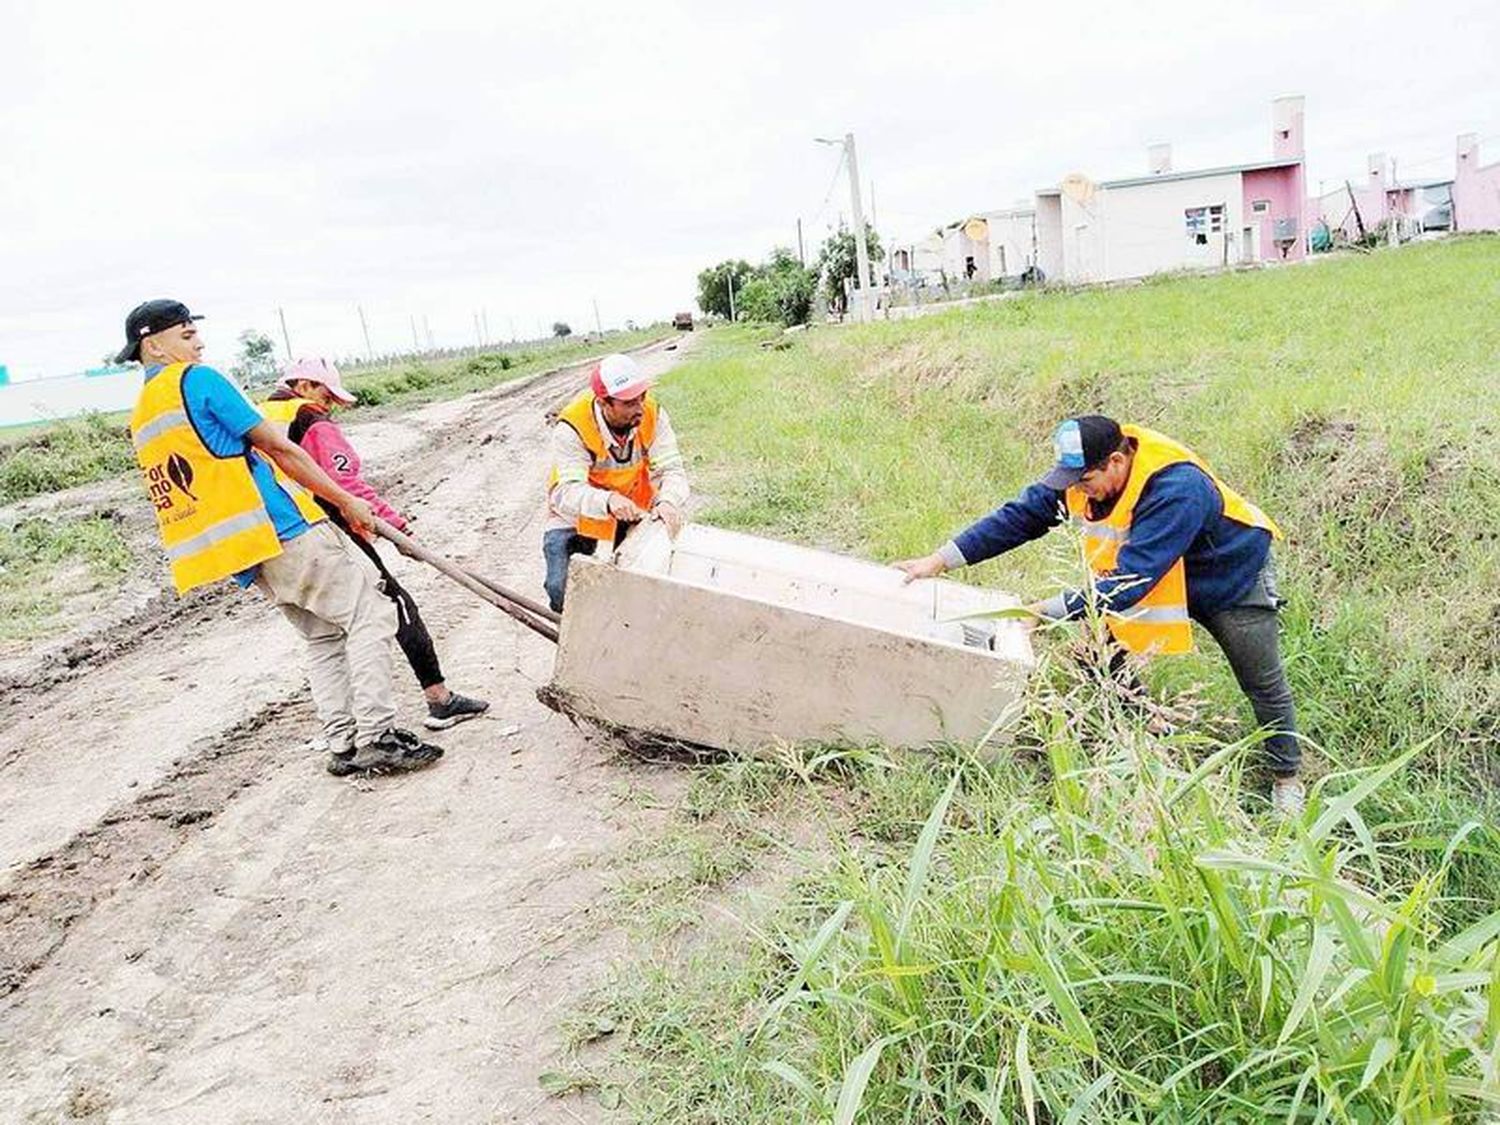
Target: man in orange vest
<point x="615" y="462"/>
<point x="234" y="498"/>
<point x="1168" y="543"/>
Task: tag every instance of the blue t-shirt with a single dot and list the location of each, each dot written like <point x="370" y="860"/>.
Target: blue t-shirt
<point x="222" y="416"/>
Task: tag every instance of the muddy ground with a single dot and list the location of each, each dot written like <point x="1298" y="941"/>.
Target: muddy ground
<point x="200" y="925"/>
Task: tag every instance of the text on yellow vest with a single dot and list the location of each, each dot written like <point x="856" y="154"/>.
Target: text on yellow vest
<point x="210" y="514"/>
<point x="1158" y="622"/>
<point x="626" y="471"/>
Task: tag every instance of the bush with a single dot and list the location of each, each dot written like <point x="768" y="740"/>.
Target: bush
<point x="63" y="456"/>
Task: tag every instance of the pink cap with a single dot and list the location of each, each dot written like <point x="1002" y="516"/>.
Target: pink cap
<point x="317" y="371"/>
<point x="619" y="376"/>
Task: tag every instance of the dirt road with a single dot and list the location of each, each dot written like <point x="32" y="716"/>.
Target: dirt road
<point x="199" y="925"/>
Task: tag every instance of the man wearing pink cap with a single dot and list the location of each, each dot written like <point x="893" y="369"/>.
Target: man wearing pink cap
<point x="308" y="391"/>
<point x="615" y="462"/>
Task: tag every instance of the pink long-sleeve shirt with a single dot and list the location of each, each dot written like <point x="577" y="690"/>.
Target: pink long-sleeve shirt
<point x="326" y="444"/>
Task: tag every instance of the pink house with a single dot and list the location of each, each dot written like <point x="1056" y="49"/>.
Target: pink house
<point x="1361" y="208"/>
<point x="1166" y="220"/>
<point x="1476" y="189"/>
<point x="1468" y="200"/>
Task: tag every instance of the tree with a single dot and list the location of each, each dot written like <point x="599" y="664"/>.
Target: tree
<point x="837" y="260"/>
<point x="560" y="329"/>
<point x="781" y="289"/>
<point x="713" y="286"/>
<point x="256" y="366"/>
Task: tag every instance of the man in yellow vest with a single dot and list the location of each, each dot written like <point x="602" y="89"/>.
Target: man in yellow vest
<point x="615" y="462"/>
<point x="1168" y="543"/>
<point x="232" y="500"/>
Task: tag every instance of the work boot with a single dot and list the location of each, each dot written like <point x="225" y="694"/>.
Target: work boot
<point x="455" y="709"/>
<point x="1287" y="797"/>
<point x="394" y="751"/>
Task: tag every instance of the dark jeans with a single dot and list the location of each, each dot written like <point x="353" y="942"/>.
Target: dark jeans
<point x="411" y="630"/>
<point x="1248" y="634"/>
<point x="558" y="546"/>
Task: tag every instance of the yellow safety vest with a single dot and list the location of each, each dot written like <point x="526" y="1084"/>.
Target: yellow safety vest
<point x="212" y="519"/>
<point x="1158" y="623"/>
<point x="629" y="475"/>
<point x="283" y="410"/>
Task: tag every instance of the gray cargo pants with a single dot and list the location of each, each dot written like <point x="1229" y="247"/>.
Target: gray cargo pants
<point x="1248" y="634"/>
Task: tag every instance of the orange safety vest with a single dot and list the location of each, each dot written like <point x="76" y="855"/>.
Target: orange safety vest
<point x="1158" y="623"/>
<point x="626" y="471"/>
<point x="210" y="514"/>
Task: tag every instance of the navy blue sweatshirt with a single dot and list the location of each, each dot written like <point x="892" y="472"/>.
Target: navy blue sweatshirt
<point x="1180" y="515"/>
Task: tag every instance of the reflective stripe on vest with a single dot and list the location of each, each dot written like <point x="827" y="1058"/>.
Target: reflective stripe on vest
<point x="218" y="533"/>
<point x="209" y="511"/>
<point x="158" y="426"/>
<point x="630" y="478"/>
<point x="1159" y="621"/>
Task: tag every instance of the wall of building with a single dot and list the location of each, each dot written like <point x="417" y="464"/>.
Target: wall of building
<point x="1010" y="242"/>
<point x="1049" y="236"/>
<point x="67" y="396"/>
<point x="1141" y="229"/>
<point x="1476" y="189"/>
<point x="1283" y="189"/>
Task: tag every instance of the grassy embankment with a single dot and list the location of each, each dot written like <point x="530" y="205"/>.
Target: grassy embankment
<point x="1106" y="925"/>
<point x="82" y="553"/>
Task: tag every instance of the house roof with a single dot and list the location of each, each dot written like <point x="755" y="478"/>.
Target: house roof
<point x="1197" y="173"/>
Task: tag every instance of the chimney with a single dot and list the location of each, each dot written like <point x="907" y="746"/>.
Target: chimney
<point x="1468" y="155"/>
<point x="1159" y="158"/>
<point x="1377" y="167"/>
<point x="1286" y="128"/>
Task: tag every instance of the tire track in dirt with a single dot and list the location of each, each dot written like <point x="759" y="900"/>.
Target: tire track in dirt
<point x="167" y="929"/>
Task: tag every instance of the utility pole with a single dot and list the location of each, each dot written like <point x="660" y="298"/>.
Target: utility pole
<point x="1359" y="220"/>
<point x="427" y="328"/>
<point x="416" y="345"/>
<point x="801" y="256"/>
<point x="730" y="275"/>
<point x="484" y="317"/>
<point x="369" y="351"/>
<point x="599" y="328"/>
<point x="478" y="332"/>
<point x="285" y="336"/>
<point x="861" y="294"/>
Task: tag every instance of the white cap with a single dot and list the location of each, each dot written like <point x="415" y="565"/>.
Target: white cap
<point x="619" y="376"/>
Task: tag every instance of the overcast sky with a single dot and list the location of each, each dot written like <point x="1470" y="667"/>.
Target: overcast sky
<point x="437" y="159"/>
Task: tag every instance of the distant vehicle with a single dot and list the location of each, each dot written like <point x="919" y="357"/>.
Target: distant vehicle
<point x="683" y="322"/>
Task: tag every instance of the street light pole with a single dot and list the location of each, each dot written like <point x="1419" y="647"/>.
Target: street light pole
<point x="861" y="295"/>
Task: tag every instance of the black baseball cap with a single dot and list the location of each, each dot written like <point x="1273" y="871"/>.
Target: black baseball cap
<point x="1082" y="443"/>
<point x="147" y="319"/>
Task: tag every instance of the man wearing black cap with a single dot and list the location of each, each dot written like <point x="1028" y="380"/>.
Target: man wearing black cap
<point x="1168" y="543"/>
<point x="231" y="494"/>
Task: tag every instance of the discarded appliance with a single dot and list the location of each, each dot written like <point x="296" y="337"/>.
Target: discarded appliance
<point x="731" y="641"/>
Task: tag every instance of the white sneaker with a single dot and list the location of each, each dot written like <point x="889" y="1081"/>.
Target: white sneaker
<point x="1288" y="797"/>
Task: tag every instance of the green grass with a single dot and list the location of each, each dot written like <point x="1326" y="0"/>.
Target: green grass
<point x="416" y="382"/>
<point x="1100" y="925"/>
<point x="44" y="560"/>
<point x="62" y="455"/>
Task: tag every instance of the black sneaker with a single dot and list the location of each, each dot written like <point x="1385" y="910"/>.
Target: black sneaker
<point x="456" y="709"/>
<point x="395" y="751"/>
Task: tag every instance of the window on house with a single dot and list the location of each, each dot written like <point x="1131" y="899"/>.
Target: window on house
<point x="1203" y="221"/>
<point x="1260" y="207"/>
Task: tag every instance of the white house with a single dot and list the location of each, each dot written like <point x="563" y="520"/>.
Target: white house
<point x="1168" y="220"/>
